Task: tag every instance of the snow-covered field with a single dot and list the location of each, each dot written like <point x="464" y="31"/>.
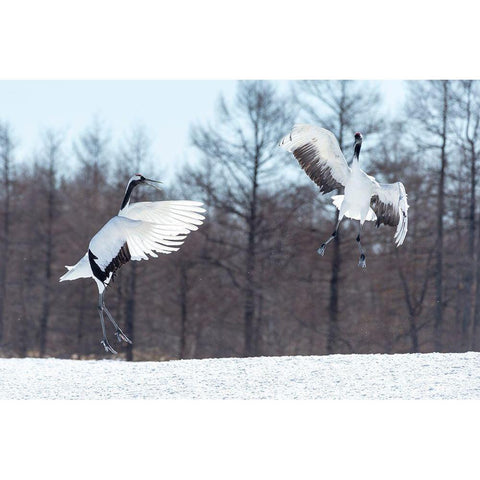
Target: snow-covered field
<point x="407" y="376"/>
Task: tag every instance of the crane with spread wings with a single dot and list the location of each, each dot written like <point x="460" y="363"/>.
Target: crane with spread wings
<point x="140" y="229"/>
<point x="364" y="199"/>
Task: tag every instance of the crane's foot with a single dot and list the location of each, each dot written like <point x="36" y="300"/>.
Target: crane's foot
<point x="321" y="250"/>
<point x="362" y="262"/>
<point x="107" y="346"/>
<point x="121" y="336"/>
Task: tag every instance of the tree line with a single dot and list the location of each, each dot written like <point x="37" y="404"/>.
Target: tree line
<point x="250" y="282"/>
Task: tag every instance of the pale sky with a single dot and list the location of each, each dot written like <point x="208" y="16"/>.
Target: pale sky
<point x="166" y="108"/>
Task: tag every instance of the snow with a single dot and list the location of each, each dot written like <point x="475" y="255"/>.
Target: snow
<point x="378" y="376"/>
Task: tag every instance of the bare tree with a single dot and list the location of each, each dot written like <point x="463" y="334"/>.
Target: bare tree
<point x="243" y="147"/>
<point x="6" y="154"/>
<point x="397" y="158"/>
<point x="467" y="104"/>
<point x="47" y="166"/>
<point x="429" y="106"/>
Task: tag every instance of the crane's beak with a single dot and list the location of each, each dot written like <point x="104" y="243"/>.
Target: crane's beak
<point x="153" y="183"/>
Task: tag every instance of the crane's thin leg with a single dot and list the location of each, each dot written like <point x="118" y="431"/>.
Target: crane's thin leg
<point x="104" y="340"/>
<point x="323" y="246"/>
<point x="362" y="262"/>
<point x="118" y="331"/>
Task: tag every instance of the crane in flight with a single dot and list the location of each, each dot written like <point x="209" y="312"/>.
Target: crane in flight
<point x="364" y="199"/>
<point x="139" y="229"/>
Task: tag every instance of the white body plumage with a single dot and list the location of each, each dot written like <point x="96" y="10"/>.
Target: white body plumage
<point x="355" y="203"/>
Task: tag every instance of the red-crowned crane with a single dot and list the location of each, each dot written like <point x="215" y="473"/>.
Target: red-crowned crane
<point x="139" y="229"/>
<point x="364" y="199"/>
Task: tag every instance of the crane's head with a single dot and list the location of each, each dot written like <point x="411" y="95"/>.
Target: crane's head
<point x="138" y="179"/>
<point x="357" y="145"/>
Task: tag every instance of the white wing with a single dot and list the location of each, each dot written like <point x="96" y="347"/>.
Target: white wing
<point x="142" y="229"/>
<point x="122" y="239"/>
<point x="182" y="213"/>
<point x="389" y="202"/>
<point x="319" y="154"/>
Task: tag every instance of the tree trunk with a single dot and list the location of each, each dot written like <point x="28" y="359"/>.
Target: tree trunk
<point x="333" y="329"/>
<point x="476" y="310"/>
<point x="25" y="320"/>
<point x="48" y="268"/>
<point x="183" y="309"/>
<point x="43" y="327"/>
<point x="413" y="332"/>
<point x="440" y="214"/>
<point x="6" y="148"/>
<point x="258" y="324"/>
<point x="469" y="277"/>
<point x="3" y="271"/>
<point x="130" y="310"/>
<point x="81" y="319"/>
<point x="249" y="305"/>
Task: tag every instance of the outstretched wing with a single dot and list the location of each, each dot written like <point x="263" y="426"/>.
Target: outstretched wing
<point x="181" y="213"/>
<point x="389" y="202"/>
<point x="122" y="239"/>
<point x="319" y="154"/>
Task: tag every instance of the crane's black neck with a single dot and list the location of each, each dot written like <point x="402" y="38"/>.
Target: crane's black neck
<point x="128" y="193"/>
<point x="356" y="152"/>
